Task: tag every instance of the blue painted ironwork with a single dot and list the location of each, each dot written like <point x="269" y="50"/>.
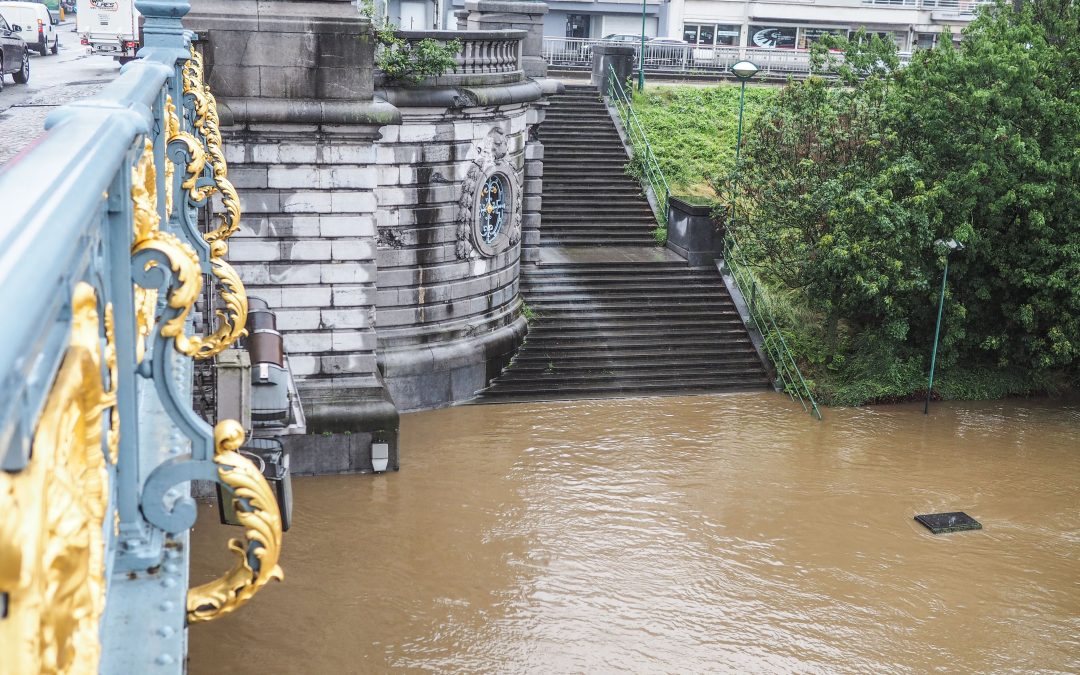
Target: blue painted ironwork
<point x="493" y="208"/>
<point x="86" y="215"/>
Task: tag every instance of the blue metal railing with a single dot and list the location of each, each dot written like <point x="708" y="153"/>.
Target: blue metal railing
<point x="101" y="261"/>
<point x="643" y="153"/>
<point x="762" y="317"/>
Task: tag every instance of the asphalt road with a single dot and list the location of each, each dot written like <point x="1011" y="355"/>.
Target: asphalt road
<point x="54" y="80"/>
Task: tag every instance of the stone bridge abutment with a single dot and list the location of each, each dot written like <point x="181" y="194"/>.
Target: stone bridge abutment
<point x="385" y="223"/>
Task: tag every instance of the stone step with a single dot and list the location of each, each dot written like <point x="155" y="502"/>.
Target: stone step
<point x="576" y="132"/>
<point x="513" y="378"/>
<point x="539" y="282"/>
<point x="586" y="194"/>
<point x="631" y="359"/>
<point x="549" y="325"/>
<point x="570" y="305"/>
<point x="589" y="241"/>
<point x="674" y="386"/>
<point x="613" y="213"/>
<point x="625" y="334"/>
<point x="622" y="314"/>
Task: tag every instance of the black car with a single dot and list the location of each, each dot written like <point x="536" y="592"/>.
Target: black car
<point x="14" y="54"/>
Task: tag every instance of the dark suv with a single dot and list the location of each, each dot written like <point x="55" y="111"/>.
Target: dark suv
<point x="14" y="55"/>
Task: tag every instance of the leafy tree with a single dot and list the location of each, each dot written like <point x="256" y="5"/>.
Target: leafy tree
<point x="995" y="126"/>
<point x="848" y="180"/>
<point x="828" y="214"/>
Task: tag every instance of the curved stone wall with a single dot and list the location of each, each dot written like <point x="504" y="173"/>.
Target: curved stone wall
<point x="448" y="311"/>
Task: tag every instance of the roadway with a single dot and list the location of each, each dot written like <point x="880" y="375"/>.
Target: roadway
<point x="55" y="79"/>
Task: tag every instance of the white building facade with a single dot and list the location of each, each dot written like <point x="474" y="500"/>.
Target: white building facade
<point x="761" y="24"/>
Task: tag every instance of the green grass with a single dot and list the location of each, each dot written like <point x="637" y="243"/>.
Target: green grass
<point x="692" y="131"/>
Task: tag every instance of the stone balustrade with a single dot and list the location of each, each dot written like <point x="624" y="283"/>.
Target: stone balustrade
<point x="486" y="57"/>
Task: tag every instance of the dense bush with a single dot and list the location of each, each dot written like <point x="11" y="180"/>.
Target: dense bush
<point x="847" y="182"/>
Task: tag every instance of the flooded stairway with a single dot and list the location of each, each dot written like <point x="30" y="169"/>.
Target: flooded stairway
<point x="611" y="313"/>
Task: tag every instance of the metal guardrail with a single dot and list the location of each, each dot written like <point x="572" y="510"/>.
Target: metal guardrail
<point x="101" y="262"/>
<point x="787" y="370"/>
<point x="643" y="153"/>
<point x="576" y="53"/>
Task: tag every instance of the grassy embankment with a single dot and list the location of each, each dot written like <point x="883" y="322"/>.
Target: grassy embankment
<point x="692" y="131"/>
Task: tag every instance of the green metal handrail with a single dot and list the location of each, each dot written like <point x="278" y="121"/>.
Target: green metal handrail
<point x="761" y="315"/>
<point x="635" y="130"/>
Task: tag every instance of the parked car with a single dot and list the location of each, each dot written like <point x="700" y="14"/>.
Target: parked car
<point x="622" y="38"/>
<point x="14" y="54"/>
<point x="36" y="23"/>
<point x="661" y="51"/>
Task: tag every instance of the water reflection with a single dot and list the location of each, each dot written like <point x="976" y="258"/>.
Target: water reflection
<point x="678" y="535"/>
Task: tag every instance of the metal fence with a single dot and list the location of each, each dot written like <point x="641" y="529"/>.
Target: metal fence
<point x="623" y="101"/>
<point x="576" y="54"/>
<point x="762" y="317"/>
<point x="101" y="262"/>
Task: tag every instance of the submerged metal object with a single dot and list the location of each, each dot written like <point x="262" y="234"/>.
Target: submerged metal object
<point x="941" y="523"/>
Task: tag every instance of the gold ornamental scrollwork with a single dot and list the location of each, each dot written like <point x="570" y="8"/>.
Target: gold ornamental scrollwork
<point x="207" y="123"/>
<point x="195" y="151"/>
<point x="184" y="263"/>
<point x="52" y="550"/>
<point x="257" y="509"/>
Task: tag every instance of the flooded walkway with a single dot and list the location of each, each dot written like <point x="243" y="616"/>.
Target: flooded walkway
<point x="677" y="535"/>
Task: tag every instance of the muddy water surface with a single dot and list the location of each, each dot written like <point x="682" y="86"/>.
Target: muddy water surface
<point x="681" y="535"/>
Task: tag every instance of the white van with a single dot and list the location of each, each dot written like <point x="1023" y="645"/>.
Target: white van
<point x="37" y="24"/>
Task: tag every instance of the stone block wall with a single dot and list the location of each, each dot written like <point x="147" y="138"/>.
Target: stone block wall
<point x="307" y="241"/>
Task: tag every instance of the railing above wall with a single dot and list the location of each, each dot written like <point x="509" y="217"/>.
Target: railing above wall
<point x="687" y="60"/>
<point x="101" y="261"/>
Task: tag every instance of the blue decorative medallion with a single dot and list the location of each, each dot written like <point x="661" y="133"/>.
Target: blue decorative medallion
<point x="492" y="208"/>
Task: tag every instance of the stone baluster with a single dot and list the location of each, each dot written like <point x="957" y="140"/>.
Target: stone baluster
<point x="469" y="51"/>
<point x="459" y="59"/>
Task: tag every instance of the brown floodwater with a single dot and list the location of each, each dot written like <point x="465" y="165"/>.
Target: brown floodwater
<point x="677" y="535"/>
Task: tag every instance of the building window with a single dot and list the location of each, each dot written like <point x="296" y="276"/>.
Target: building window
<point x="772" y="37"/>
<point x="727" y="34"/>
<point x="808" y="36"/>
<point x="723" y="34"/>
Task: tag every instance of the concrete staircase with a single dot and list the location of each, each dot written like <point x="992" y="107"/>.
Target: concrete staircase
<point x="613" y="313"/>
<point x="588" y="199"/>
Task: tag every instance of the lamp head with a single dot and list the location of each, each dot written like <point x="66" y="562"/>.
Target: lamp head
<point x="950" y="244"/>
<point x="744" y="70"/>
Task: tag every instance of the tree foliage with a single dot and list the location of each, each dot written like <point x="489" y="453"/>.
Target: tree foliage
<point x="847" y="181"/>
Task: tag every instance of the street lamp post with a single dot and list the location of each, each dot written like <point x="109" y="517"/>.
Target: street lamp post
<point x="641" y="54"/>
<point x="952" y="245"/>
<point x="743" y="70"/>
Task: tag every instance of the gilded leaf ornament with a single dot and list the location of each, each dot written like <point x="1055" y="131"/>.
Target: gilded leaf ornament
<point x="208" y="123"/>
<point x="146" y="222"/>
<point x="52" y="551"/>
<point x="256" y="508"/>
<point x="184" y="263"/>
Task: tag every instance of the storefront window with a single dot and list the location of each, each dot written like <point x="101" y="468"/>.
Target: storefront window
<point x="808" y="36"/>
<point x="727" y="35"/>
<point x="706" y="35"/>
<point x="689" y="33"/>
<point x="772" y="37"/>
